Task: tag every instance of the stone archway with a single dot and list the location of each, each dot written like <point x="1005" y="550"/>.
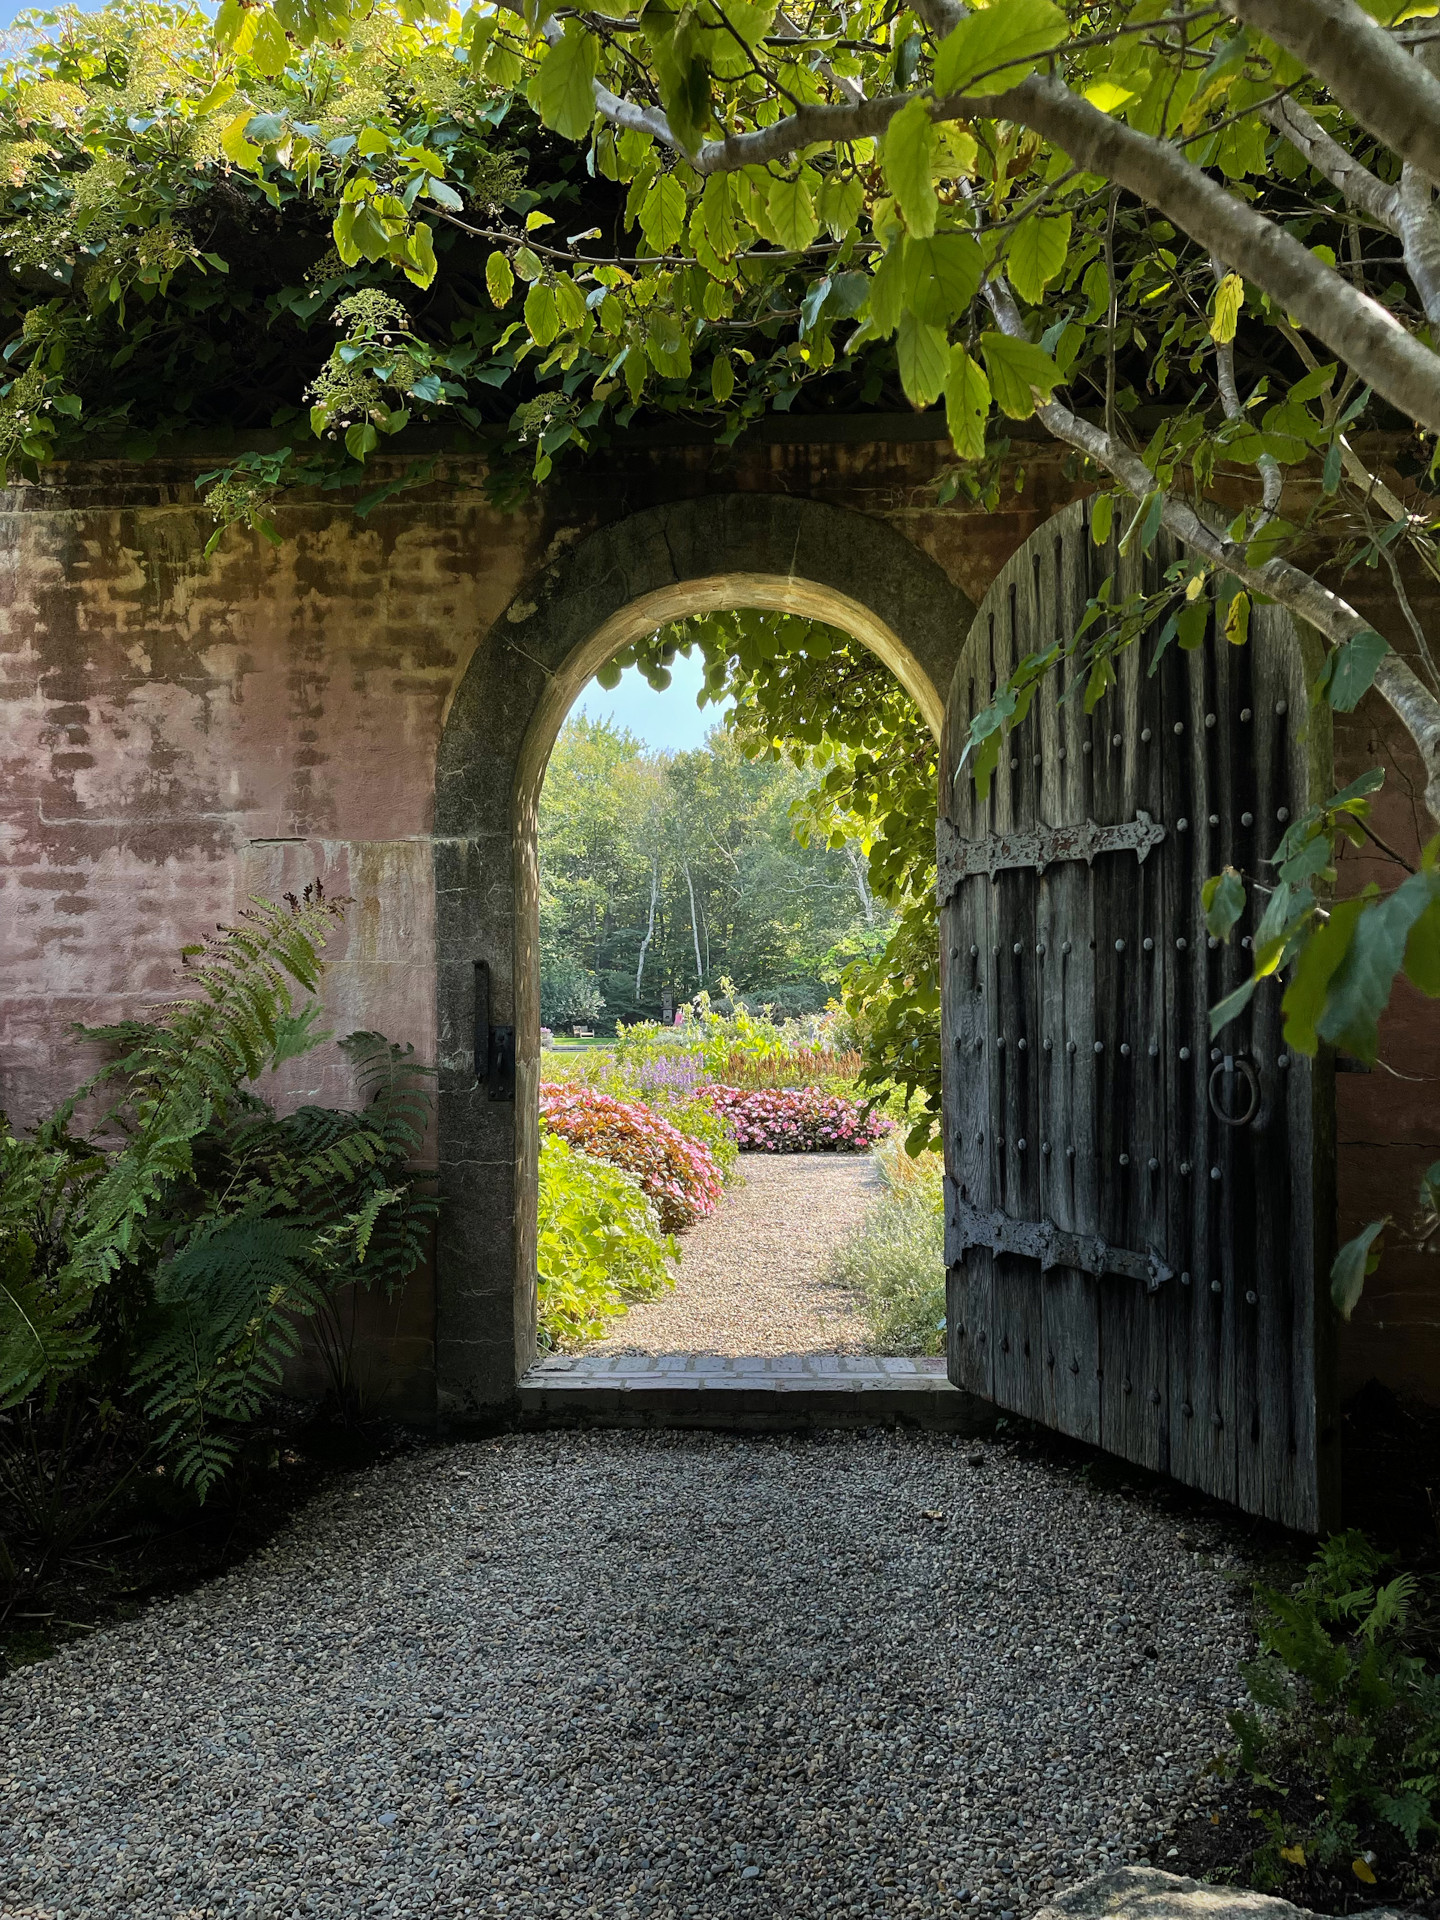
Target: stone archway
<point x="770" y="551"/>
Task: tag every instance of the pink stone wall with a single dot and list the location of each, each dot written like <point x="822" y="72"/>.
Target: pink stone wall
<point x="179" y="734"/>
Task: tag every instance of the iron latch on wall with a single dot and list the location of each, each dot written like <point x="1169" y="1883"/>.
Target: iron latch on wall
<point x="1052" y="1246"/>
<point x="494" y="1046"/>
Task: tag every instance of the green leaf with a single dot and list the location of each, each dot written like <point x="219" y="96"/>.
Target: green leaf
<point x="1009" y="36"/>
<point x="1224" y="1011"/>
<point x="540" y="314"/>
<point x="717" y="211"/>
<point x="1223" y="898"/>
<point x="924" y="356"/>
<point x="1422" y="952"/>
<point x="1225" y="308"/>
<point x="1350" y="670"/>
<point x="1102" y="516"/>
<point x="419" y="259"/>
<point x="1356" y="1260"/>
<point x="1015" y="367"/>
<point x="1360" y="986"/>
<point x="967" y="405"/>
<point x="269" y="50"/>
<point x="1038" y="251"/>
<point x="566" y="89"/>
<point x="360" y="439"/>
<point x="499" y="279"/>
<point x="236" y="147"/>
<point x="792" y="213"/>
<point x="722" y="378"/>
<point x="839" y="204"/>
<point x="662" y="213"/>
<point x="1235" y="622"/>
<point x="1191" y="624"/>
<point x="939" y="277"/>
<point x="906" y="156"/>
<point x="887" y="291"/>
<point x="1323" y="953"/>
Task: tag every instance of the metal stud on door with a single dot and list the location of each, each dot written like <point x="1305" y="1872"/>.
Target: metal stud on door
<point x="1146" y="1279"/>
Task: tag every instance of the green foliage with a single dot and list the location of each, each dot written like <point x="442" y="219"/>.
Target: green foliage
<point x="1342" y="1708"/>
<point x="167" y="1258"/>
<point x="600" y="1245"/>
<point x="895" y="1260"/>
<point x="662" y="872"/>
<point x="809" y="694"/>
<point x="568" y="993"/>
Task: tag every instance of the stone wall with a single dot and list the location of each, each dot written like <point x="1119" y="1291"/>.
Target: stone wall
<point x="180" y="733"/>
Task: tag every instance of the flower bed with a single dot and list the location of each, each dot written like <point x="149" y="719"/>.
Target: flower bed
<point x="677" y="1173"/>
<point x="796" y="1120"/>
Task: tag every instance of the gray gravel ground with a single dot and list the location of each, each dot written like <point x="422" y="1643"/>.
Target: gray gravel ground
<point x="754" y="1275"/>
<point x="644" y="1676"/>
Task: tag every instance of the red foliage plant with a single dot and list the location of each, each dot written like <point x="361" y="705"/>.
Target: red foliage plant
<point x="678" y="1174"/>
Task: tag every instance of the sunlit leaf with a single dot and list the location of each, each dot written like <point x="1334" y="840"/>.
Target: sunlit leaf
<point x="1037" y="254"/>
<point x="906" y="155"/>
<point x="994" y="49"/>
<point x="923" y="354"/>
<point x="1015" y="368"/>
<point x="967" y="405"/>
<point x="567" y="75"/>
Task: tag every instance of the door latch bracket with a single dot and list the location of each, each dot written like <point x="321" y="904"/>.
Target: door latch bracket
<point x="1052" y="1246"/>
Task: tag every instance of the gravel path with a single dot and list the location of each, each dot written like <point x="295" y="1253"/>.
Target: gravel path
<point x="753" y="1275"/>
<point x="638" y="1676"/>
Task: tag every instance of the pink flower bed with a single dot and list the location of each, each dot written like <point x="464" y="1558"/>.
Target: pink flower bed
<point x="677" y="1173"/>
<point x="795" y="1120"/>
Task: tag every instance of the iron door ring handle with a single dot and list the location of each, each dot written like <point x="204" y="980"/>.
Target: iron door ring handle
<point x="1228" y="1066"/>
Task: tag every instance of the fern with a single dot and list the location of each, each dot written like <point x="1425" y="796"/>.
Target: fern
<point x="223" y="1328"/>
<point x="179" y="1265"/>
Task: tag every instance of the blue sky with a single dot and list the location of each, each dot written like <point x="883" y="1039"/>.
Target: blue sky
<point x="670" y="719"/>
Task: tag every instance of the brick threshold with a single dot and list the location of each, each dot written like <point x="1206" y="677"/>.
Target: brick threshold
<point x="749" y="1392"/>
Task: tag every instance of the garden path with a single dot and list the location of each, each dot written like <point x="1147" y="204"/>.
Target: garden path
<point x="753" y="1276"/>
<point x="641" y="1676"/>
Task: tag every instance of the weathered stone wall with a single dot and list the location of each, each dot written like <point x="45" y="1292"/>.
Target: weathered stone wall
<point x="179" y="733"/>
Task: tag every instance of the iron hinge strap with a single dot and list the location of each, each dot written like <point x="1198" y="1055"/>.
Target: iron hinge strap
<point x="1052" y="1246"/>
<point x="957" y="858"/>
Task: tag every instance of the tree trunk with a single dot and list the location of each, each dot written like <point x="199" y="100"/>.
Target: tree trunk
<point x="650" y="930"/>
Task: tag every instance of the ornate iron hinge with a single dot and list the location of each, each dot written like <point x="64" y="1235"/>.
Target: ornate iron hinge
<point x="1052" y="1246"/>
<point x="958" y="858"/>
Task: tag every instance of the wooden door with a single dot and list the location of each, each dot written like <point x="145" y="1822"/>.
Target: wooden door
<point x="1139" y="1223"/>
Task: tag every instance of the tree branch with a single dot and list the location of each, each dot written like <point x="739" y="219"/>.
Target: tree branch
<point x="1355" y="327"/>
<point x="1361" y="188"/>
<point x="1392" y="95"/>
<point x="1272" y="480"/>
<point x="1301" y="593"/>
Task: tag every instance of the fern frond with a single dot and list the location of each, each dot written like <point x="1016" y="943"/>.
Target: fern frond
<point x="221" y="1333"/>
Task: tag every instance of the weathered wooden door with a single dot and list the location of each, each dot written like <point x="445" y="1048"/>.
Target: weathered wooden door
<point x="1138" y="1222"/>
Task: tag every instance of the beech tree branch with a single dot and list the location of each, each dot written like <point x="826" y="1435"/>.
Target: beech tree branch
<point x="1356" y="328"/>
<point x="1392" y="95"/>
<point x="1362" y="189"/>
<point x="1272" y="479"/>
<point x="1301" y="593"/>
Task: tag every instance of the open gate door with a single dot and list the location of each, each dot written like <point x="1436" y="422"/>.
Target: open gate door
<point x="1138" y="1222"/>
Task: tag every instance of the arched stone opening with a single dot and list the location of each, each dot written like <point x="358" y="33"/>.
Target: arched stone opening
<point x="766" y="551"/>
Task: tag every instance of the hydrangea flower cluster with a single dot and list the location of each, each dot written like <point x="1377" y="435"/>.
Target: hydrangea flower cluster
<point x="796" y="1120"/>
<point x="677" y="1173"/>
